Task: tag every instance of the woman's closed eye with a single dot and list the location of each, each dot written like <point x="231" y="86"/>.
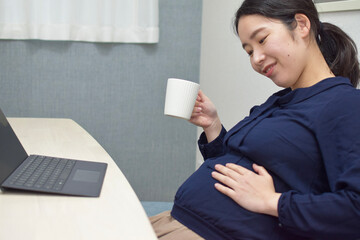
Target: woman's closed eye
<point x="262" y="40"/>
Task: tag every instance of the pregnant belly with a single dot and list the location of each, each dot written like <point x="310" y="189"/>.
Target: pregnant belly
<point x="199" y="196"/>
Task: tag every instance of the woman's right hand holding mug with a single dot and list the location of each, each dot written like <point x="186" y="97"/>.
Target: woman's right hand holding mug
<point x="205" y="115"/>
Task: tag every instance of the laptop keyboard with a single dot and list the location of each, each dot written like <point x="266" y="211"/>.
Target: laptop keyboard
<point x="41" y="172"/>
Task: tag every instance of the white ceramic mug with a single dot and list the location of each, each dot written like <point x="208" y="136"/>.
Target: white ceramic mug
<point x="180" y="98"/>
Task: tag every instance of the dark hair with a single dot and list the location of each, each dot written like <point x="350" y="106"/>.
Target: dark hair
<point x="338" y="49"/>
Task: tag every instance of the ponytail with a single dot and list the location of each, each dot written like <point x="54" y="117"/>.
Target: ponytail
<point x="339" y="51"/>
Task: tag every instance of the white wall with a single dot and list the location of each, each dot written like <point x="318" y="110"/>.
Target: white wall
<point x="226" y="75"/>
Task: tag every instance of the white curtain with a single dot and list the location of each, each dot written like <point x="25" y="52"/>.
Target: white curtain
<point x="132" y="21"/>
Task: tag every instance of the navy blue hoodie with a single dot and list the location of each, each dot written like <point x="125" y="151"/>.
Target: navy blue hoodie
<point x="309" y="141"/>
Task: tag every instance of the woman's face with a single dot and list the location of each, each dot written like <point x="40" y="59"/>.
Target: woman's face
<point x="274" y="50"/>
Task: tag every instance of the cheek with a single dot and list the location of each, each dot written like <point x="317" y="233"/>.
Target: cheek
<point x="280" y="47"/>
<point x="291" y="55"/>
<point x="292" y="59"/>
<point x="277" y="51"/>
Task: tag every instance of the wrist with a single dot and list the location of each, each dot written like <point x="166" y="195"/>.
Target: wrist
<point x="213" y="131"/>
<point x="272" y="205"/>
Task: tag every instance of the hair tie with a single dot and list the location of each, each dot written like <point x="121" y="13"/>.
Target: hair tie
<point x="320" y="32"/>
<point x="321" y="27"/>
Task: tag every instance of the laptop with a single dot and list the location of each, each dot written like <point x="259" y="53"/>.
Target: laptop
<point x="46" y="174"/>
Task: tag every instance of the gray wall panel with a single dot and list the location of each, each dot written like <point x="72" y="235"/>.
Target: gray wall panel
<point x="116" y="92"/>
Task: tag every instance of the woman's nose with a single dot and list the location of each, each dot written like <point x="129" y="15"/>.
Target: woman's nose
<point x="258" y="57"/>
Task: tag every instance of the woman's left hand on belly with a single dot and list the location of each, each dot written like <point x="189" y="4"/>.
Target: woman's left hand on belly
<point x="253" y="191"/>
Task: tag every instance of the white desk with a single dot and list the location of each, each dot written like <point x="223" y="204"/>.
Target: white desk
<point x="116" y="214"/>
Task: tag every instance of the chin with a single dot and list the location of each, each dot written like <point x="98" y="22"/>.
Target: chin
<point x="282" y="84"/>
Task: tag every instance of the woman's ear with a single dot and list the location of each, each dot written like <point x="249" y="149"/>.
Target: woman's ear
<point x="303" y="25"/>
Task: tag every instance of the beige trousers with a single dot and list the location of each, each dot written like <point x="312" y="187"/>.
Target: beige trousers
<point x="168" y="228"/>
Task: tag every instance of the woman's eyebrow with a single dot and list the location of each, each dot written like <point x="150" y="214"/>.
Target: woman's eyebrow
<point x="253" y="35"/>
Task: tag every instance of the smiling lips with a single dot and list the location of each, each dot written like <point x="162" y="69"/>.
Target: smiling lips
<point x="268" y="70"/>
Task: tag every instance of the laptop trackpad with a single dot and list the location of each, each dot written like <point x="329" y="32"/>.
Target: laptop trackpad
<point x="86" y="179"/>
<point x="86" y="176"/>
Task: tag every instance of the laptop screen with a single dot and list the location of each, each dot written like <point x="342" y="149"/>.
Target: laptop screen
<point x="12" y="153"/>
